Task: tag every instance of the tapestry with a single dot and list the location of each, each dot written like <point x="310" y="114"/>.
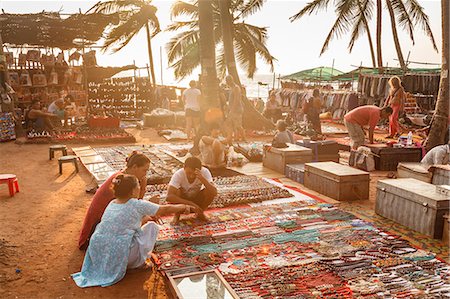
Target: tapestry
<point x="303" y="249"/>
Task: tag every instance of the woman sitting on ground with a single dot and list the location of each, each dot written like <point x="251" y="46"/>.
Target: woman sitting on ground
<point x="283" y="135"/>
<point x="212" y="150"/>
<point x="119" y="242"/>
<point x="137" y="165"/>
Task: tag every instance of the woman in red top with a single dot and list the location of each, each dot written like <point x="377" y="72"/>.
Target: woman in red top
<point x="137" y="165"/>
<point x="396" y="101"/>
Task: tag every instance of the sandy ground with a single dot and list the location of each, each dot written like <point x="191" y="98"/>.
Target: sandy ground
<point x="40" y="227"/>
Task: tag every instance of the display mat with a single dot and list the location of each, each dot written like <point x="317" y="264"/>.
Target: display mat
<point x="302" y="249"/>
<point x="233" y="191"/>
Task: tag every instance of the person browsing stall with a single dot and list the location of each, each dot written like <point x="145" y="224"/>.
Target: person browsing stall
<point x="191" y="98"/>
<point x="212" y="150"/>
<point x="119" y="241"/>
<point x="283" y="135"/>
<point x="395" y="100"/>
<point x="358" y="118"/>
<point x="137" y="165"/>
<point x="192" y="185"/>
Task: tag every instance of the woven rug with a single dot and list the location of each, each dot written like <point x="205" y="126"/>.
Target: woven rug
<point x="303" y="249"/>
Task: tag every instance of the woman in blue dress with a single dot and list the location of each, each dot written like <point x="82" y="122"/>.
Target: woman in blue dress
<point x="119" y="241"/>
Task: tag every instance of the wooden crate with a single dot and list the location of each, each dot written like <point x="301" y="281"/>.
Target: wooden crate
<point x="441" y="174"/>
<point x="295" y="172"/>
<point x="414" y="170"/>
<point x="322" y="150"/>
<point x="337" y="181"/>
<point x="278" y="158"/>
<point x="445" y="231"/>
<point x="387" y="158"/>
<point x="412" y="203"/>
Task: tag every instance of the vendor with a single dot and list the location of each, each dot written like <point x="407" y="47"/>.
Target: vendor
<point x="273" y="109"/>
<point x="37" y="119"/>
<point x="311" y="108"/>
<point x="438" y="155"/>
<point x="137" y="165"/>
<point x="283" y="135"/>
<point x="57" y="107"/>
<point x="395" y="100"/>
<point x="358" y="118"/>
<point x="212" y="151"/>
<point x="193" y="186"/>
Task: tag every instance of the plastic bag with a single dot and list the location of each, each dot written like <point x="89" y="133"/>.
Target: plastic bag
<point x="362" y="159"/>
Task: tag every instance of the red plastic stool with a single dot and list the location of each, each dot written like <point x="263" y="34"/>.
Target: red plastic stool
<point x="11" y="180"/>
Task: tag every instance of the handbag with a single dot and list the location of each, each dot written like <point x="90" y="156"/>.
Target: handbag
<point x="39" y="80"/>
<point x="33" y="55"/>
<point x="362" y="159"/>
<point x="53" y="78"/>
<point x="13" y="79"/>
<point x="22" y="59"/>
<point x="25" y="79"/>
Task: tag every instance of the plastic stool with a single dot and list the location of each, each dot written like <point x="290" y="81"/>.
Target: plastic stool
<point x="11" y="180"/>
<point x="67" y="159"/>
<point x="54" y="148"/>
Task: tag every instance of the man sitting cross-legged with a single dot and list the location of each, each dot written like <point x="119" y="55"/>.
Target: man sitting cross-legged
<point x="192" y="185"/>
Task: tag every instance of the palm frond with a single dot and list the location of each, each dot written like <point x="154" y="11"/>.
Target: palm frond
<point x="419" y="16"/>
<point x="345" y="14"/>
<point x="177" y="46"/>
<point x="121" y="35"/>
<point x="249" y="7"/>
<point x="310" y="8"/>
<point x="189" y="25"/>
<point x="221" y="65"/>
<point x="403" y="17"/>
<point x="182" y="8"/>
<point x="362" y="18"/>
<point x="113" y="6"/>
<point x="188" y="62"/>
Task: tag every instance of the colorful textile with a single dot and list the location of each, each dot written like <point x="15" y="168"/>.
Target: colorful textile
<point x="303" y="249"/>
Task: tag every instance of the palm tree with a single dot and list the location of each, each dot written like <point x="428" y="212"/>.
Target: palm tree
<point x="439" y="126"/>
<point x="249" y="41"/>
<point x="134" y="16"/>
<point x="207" y="53"/>
<point x="408" y="14"/>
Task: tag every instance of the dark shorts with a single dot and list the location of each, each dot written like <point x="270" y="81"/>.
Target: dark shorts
<point x="192" y="113"/>
<point x="198" y="200"/>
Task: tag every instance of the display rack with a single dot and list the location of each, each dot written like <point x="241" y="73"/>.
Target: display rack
<point x="7" y="131"/>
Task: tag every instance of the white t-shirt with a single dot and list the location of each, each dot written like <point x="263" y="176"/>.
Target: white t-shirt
<point x="189" y="190"/>
<point x="191" y="96"/>
<point x="439" y="155"/>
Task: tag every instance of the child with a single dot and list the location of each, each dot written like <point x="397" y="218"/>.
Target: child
<point x="119" y="242"/>
<point x="283" y="136"/>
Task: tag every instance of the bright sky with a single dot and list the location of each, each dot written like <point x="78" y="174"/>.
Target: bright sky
<point x="295" y="45"/>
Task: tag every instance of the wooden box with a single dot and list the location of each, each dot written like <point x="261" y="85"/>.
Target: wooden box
<point x="278" y="158"/>
<point x="322" y="150"/>
<point x="441" y="174"/>
<point x="446" y="232"/>
<point x="337" y="181"/>
<point x="412" y="203"/>
<point x="295" y="172"/>
<point x="414" y="170"/>
<point x="387" y="158"/>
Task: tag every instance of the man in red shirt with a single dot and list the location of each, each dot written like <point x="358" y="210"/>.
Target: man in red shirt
<point x="358" y="118"/>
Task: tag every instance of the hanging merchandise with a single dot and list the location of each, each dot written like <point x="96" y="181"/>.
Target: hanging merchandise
<point x="68" y="76"/>
<point x="13" y="79"/>
<point x="33" y="55"/>
<point x="60" y="58"/>
<point x="22" y="59"/>
<point x="48" y="60"/>
<point x="25" y="79"/>
<point x="77" y="77"/>
<point x="9" y="58"/>
<point x="89" y="58"/>
<point x="75" y="56"/>
<point x="53" y="78"/>
<point x="7" y="127"/>
<point x="39" y="79"/>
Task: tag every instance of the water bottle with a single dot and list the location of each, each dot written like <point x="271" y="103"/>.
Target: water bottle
<point x="410" y="139"/>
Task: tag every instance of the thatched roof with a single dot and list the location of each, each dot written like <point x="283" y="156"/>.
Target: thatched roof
<point x="48" y="29"/>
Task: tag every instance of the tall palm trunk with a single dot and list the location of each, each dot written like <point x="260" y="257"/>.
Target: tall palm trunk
<point x="379" y="19"/>
<point x="150" y="54"/>
<point x="209" y="81"/>
<point x="395" y="35"/>
<point x="369" y="36"/>
<point x="439" y="126"/>
<point x="253" y="119"/>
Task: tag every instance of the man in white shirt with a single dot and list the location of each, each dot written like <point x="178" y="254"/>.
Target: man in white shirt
<point x="438" y="155"/>
<point x="191" y="98"/>
<point x="193" y="186"/>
